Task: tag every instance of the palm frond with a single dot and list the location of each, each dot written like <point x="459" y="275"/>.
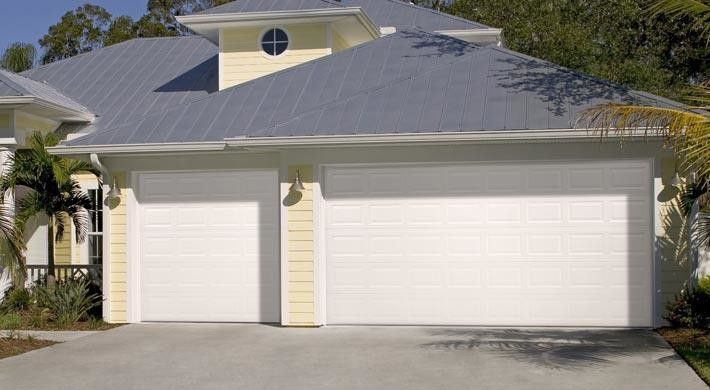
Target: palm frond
<point x="698" y="10"/>
<point x="687" y="131"/>
<point x="12" y="247"/>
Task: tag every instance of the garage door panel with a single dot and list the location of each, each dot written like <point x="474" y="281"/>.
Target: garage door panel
<point x="209" y="246"/>
<point x="514" y="245"/>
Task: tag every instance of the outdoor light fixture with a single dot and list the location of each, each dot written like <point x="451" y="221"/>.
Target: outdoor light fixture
<point x="115" y="192"/>
<point x="676" y="180"/>
<point x="297" y="185"/>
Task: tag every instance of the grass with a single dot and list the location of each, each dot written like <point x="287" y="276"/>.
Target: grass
<point x="694" y="346"/>
<point x="41" y="320"/>
<point x="11" y="346"/>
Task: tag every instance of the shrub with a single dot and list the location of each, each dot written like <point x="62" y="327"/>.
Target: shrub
<point x="38" y="317"/>
<point x="10" y="321"/>
<point x="704" y="284"/>
<point x="690" y="309"/>
<point x="16" y="299"/>
<point x="69" y="301"/>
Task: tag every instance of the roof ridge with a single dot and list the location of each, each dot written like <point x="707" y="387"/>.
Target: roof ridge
<point x="63" y="60"/>
<point x="281" y="72"/>
<point x="480" y="51"/>
<point x="225" y="5"/>
<point x="10" y="83"/>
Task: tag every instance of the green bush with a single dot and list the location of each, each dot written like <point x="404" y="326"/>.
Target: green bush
<point x="10" y="321"/>
<point x="16" y="299"/>
<point x="704" y="284"/>
<point x="69" y="301"/>
<point x="690" y="309"/>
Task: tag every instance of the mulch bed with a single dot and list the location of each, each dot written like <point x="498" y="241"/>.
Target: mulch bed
<point x="693" y="345"/>
<point x="15" y="346"/>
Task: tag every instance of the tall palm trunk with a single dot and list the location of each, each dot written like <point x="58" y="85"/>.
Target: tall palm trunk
<point x="50" y="251"/>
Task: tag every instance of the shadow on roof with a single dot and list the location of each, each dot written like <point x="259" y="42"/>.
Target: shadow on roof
<point x="203" y="77"/>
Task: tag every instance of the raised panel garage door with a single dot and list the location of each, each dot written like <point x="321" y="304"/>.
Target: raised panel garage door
<point x="554" y="244"/>
<point x="209" y="246"/>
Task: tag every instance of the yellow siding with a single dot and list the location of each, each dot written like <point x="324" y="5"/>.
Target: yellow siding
<point x="118" y="254"/>
<point x="242" y="58"/>
<point x="339" y="43"/>
<point x="4" y="120"/>
<point x="25" y="121"/>
<point x="62" y="248"/>
<point x="301" y="299"/>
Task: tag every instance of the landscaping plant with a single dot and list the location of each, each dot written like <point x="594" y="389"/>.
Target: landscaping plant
<point x="69" y="301"/>
<point x="16" y="299"/>
<point x="691" y="308"/>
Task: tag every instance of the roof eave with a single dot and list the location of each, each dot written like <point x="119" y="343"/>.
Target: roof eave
<point x="59" y="112"/>
<point x="202" y="23"/>
<point x="255" y="143"/>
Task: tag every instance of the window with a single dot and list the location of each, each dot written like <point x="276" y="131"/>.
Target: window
<point x="96" y="238"/>
<point x="274" y="42"/>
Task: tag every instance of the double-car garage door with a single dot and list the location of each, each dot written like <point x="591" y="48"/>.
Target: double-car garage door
<point x="475" y="244"/>
<point x="517" y="244"/>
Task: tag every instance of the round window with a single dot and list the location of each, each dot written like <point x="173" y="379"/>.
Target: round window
<point x="274" y="42"/>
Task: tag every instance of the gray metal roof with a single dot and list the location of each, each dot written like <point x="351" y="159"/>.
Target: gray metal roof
<point x="488" y="90"/>
<point x="385" y="13"/>
<point x="408" y="82"/>
<point x="136" y="77"/>
<point x="13" y="84"/>
<point x="277" y="97"/>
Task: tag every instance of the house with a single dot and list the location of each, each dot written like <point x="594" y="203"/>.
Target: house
<point x="319" y="162"/>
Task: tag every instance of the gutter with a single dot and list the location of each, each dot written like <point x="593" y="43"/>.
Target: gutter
<point x="138" y="148"/>
<point x="245" y="143"/>
<point x="27" y="100"/>
<point x="510" y="136"/>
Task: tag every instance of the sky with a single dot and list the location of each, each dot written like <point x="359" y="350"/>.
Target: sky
<point x="28" y="20"/>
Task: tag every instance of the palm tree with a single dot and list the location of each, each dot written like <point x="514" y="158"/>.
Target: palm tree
<point x="12" y="247"/>
<point x="52" y="190"/>
<point x="686" y="129"/>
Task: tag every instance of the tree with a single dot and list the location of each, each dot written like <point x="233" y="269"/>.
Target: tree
<point x="12" y="246"/>
<point x="121" y="29"/>
<point x="615" y="40"/>
<point x="53" y="190"/>
<point x="77" y="32"/>
<point x="163" y="12"/>
<point x="686" y="129"/>
<point x="18" y="57"/>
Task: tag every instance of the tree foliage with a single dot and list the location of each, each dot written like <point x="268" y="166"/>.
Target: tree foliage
<point x="53" y="190"/>
<point x="77" y="32"/>
<point x="616" y="40"/>
<point x="89" y="27"/>
<point x="18" y="57"/>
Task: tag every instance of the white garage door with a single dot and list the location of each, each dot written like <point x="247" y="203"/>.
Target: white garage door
<point x="504" y="244"/>
<point x="209" y="246"/>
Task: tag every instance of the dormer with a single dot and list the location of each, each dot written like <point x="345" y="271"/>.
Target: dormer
<point x="255" y="44"/>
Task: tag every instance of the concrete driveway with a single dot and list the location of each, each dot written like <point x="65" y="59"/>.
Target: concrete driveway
<point x="201" y="356"/>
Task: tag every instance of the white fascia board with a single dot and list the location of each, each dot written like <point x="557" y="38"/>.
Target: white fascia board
<point x="523" y="136"/>
<point x="64" y="113"/>
<point x="472" y="34"/>
<point x="202" y="23"/>
<point x="138" y="148"/>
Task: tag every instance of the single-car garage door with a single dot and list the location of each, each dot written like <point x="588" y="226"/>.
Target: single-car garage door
<point x="209" y="246"/>
<point x="525" y="244"/>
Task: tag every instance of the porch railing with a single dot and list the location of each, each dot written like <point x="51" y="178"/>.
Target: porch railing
<point x="65" y="271"/>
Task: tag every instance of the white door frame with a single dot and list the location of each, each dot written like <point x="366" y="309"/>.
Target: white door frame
<point x="134" y="240"/>
<point x="319" y="219"/>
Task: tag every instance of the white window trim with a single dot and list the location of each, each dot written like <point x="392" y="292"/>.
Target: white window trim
<point x="261" y="36"/>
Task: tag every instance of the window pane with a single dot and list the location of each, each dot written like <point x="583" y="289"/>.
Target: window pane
<point x="280" y="48"/>
<point x="281" y="35"/>
<point x="95" y="249"/>
<point x="268" y="48"/>
<point x="269" y="36"/>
